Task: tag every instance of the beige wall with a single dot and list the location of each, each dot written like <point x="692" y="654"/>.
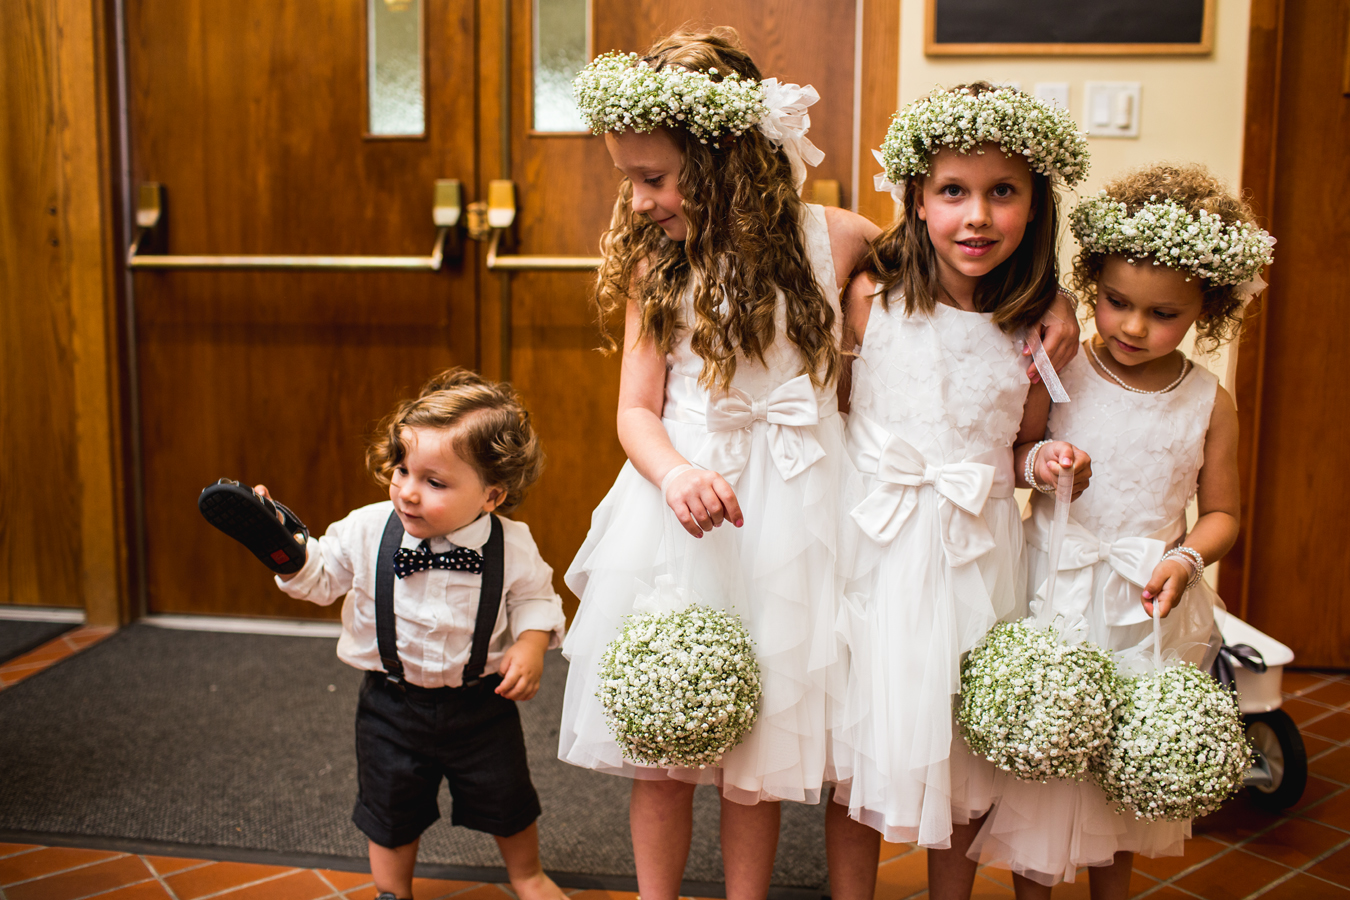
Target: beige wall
<point x="1191" y="108"/>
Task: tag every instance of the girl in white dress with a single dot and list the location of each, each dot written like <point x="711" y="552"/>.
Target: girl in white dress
<point x="942" y="416"/>
<point x="1162" y="249"/>
<point x="727" y="410"/>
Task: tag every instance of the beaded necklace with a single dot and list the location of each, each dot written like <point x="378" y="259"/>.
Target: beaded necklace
<point x="1185" y="368"/>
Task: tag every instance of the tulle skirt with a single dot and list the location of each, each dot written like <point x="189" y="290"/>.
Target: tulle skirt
<point x="909" y="618"/>
<point x="779" y="572"/>
<point x="1047" y="831"/>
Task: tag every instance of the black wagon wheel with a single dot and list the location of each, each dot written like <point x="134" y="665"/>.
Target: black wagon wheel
<point x="1280" y="770"/>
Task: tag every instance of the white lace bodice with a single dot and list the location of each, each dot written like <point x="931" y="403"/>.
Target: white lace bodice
<point x="687" y="401"/>
<point x="1146" y="449"/>
<point x="952" y="384"/>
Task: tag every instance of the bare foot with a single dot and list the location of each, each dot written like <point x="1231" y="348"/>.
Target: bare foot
<point x="537" y="887"/>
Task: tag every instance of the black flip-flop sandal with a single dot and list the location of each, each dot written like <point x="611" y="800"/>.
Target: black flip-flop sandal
<point x="251" y="520"/>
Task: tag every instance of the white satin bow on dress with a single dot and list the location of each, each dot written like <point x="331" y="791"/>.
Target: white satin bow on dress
<point x="787" y="122"/>
<point x="791" y="410"/>
<point x="1131" y="560"/>
<point x="901" y="470"/>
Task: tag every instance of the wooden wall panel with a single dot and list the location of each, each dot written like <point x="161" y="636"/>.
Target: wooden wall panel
<point x="1297" y="573"/>
<point x="880" y="97"/>
<point x="60" y="536"/>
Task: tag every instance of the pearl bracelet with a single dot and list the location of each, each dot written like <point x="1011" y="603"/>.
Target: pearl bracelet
<point x="1029" y="469"/>
<point x="1192" y="556"/>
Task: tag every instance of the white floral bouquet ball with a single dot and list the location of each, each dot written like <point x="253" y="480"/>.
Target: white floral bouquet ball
<point x="1179" y="748"/>
<point x="1035" y="706"/>
<point x="681" y="688"/>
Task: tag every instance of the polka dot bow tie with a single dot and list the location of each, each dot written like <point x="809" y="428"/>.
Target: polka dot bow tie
<point x="456" y="559"/>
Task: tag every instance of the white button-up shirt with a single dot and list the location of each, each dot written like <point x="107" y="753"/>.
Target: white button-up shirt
<point x="435" y="610"/>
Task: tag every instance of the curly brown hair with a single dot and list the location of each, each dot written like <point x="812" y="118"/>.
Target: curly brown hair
<point x="490" y="429"/>
<point x="1018" y="292"/>
<point x="1194" y="188"/>
<point x="744" y="242"/>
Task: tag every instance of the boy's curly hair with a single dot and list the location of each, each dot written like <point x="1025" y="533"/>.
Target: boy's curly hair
<point x="490" y="429"/>
<point x="1194" y="188"/>
<point x="1018" y="292"/>
<point x="744" y="243"/>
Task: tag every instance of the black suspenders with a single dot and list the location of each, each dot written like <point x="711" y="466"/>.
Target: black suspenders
<point x="489" y="602"/>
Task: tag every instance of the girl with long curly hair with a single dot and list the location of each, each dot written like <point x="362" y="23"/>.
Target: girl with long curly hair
<point x="729" y="286"/>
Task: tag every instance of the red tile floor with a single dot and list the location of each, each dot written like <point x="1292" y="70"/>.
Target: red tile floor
<point x="1239" y="852"/>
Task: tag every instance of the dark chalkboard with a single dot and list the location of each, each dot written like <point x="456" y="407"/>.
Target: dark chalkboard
<point x="1024" y="27"/>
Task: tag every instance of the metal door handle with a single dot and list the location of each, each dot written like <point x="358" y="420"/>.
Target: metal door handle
<point x="489" y="220"/>
<point x="445" y="214"/>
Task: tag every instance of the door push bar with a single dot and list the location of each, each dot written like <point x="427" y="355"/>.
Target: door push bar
<point x="490" y="219"/>
<point x="151" y="230"/>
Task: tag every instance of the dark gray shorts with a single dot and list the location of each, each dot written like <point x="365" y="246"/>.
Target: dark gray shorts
<point x="407" y="742"/>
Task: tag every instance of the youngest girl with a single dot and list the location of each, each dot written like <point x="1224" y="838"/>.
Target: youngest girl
<point x="1162" y="249"/>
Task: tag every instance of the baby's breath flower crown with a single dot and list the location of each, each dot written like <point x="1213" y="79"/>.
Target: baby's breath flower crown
<point x="619" y="91"/>
<point x="1202" y="245"/>
<point x="1179" y="749"/>
<point x="1036" y="707"/>
<point x="1044" y="134"/>
<point x="680" y="688"/>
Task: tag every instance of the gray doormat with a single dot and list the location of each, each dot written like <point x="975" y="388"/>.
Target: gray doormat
<point x="18" y="636"/>
<point x="240" y="746"/>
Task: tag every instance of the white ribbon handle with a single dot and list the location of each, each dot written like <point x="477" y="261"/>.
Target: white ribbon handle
<point x="792" y="411"/>
<point x="1045" y="367"/>
<point x="1058" y="528"/>
<point x="787" y="122"/>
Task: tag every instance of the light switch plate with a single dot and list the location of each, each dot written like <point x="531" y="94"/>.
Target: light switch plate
<point x="1111" y="108"/>
<point x="1056" y="92"/>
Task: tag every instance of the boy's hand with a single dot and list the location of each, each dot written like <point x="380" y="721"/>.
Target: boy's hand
<point x="261" y="491"/>
<point x="1058" y="455"/>
<point x="1166" y="586"/>
<point x="522" y="666"/>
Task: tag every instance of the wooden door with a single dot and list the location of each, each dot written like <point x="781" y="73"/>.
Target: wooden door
<point x="251" y="113"/>
<point x="1290" y="573"/>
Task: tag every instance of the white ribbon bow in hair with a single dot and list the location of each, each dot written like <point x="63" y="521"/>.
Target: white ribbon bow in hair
<point x="787" y="123"/>
<point x="1249" y="289"/>
<point x="884" y="184"/>
<point x="901" y="470"/>
<point x="790" y="409"/>
<point x="1131" y="560"/>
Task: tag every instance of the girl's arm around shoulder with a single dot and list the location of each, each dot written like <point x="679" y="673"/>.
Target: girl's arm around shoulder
<point x="1218" y="498"/>
<point x="850" y="239"/>
<point x="857" y="307"/>
<point x="701" y="499"/>
<point x="1059" y="331"/>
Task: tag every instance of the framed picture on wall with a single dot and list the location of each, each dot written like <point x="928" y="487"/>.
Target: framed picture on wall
<point x="1068" y="27"/>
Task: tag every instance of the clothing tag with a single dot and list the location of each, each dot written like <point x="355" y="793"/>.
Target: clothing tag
<point x="1043" y="365"/>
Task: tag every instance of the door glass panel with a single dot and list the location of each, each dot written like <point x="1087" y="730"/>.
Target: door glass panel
<point x="394" y="75"/>
<point x="562" y="46"/>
